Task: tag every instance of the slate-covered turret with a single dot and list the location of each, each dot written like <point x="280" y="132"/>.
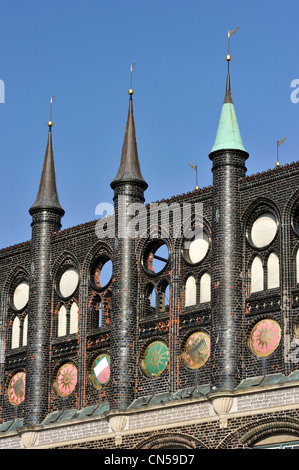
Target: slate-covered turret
<point x="46" y="215"/>
<point x="129" y="187"/>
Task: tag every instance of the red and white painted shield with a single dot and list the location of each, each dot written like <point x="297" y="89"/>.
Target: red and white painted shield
<point x="102" y="370"/>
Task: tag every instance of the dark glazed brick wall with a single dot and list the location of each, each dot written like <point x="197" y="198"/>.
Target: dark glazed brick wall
<point x="79" y="246"/>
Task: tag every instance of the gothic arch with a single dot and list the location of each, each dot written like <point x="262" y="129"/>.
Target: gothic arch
<point x="65" y="257"/>
<point x="256" y="206"/>
<point x="249" y="434"/>
<point x="171" y="440"/>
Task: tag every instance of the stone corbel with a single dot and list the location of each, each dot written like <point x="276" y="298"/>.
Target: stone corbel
<point x="118" y="424"/>
<point x="222" y="407"/>
<point x="29" y="439"/>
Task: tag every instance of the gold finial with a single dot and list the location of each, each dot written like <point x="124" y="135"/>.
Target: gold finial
<point x="228" y="56"/>
<point x="195" y="168"/>
<point x="50" y="123"/>
<point x="131" y="91"/>
<point x="279" y="142"/>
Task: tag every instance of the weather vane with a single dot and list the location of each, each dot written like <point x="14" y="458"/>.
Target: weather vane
<point x="50" y="123"/>
<point x="131" y="91"/>
<point x="230" y="33"/>
<point x="195" y="168"/>
<point x="279" y="142"/>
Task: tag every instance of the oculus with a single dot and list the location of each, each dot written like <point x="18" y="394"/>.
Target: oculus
<point x="100" y="370"/>
<point x="66" y="379"/>
<point x="263" y="230"/>
<point x="155" y="359"/>
<point x="21" y="296"/>
<point x="156" y="256"/>
<point x="101" y="273"/>
<point x="265" y="337"/>
<point x="196" y="249"/>
<point x="68" y="283"/>
<point x="16" y="388"/>
<point x="196" y="350"/>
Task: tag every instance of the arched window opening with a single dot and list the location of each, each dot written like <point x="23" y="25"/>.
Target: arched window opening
<point x="25" y="331"/>
<point x="15" y="337"/>
<point x="257" y="275"/>
<point x="273" y="271"/>
<point x="149" y="300"/>
<point x="190" y="291"/>
<point x="205" y="288"/>
<point x="62" y="321"/>
<point x="164" y="296"/>
<point x="100" y="321"/>
<point x="74" y="318"/>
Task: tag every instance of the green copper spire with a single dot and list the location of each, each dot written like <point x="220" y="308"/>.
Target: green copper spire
<point x="228" y="133"/>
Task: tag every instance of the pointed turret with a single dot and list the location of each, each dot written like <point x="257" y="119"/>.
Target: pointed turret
<point x="129" y="187"/>
<point x="46" y="215"/>
<point x="129" y="168"/>
<point x="47" y="196"/>
<point x="228" y="133"/>
<point x="228" y="156"/>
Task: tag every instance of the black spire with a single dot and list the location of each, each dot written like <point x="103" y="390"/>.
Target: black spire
<point x="47" y="196"/>
<point x="129" y="168"/>
<point x="228" y="96"/>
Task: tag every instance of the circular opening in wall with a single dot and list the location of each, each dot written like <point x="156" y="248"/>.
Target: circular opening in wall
<point x="21" y="296"/>
<point x="295" y="221"/>
<point x="156" y="257"/>
<point x="101" y="273"/>
<point x="68" y="282"/>
<point x="263" y="230"/>
<point x="196" y="249"/>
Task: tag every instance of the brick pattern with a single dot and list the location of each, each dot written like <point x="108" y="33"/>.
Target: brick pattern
<point x="80" y="247"/>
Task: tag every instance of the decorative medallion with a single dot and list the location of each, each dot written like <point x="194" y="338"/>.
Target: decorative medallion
<point x="100" y="370"/>
<point x="16" y="388"/>
<point x="66" y="379"/>
<point x="155" y="359"/>
<point x="197" y="350"/>
<point x="265" y="337"/>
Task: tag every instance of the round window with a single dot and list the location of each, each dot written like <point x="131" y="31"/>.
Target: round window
<point x="155" y="257"/>
<point x="21" y="296"/>
<point x="68" y="282"/>
<point x="196" y="249"/>
<point x="101" y="273"/>
<point x="263" y="230"/>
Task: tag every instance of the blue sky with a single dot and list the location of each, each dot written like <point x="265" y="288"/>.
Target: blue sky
<point x="81" y="52"/>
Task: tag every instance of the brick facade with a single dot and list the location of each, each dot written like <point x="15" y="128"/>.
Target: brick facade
<point x="234" y="400"/>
